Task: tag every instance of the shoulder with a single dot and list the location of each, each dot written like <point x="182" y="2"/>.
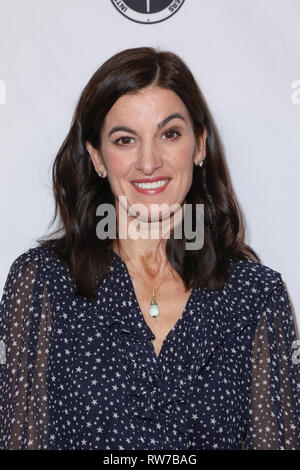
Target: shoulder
<point x="40" y="261"/>
<point x="251" y="273"/>
<point x="250" y="286"/>
<point x="25" y="276"/>
<point x="33" y="258"/>
<point x="30" y="256"/>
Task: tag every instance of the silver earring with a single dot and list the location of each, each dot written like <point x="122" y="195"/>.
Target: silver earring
<point x="200" y="163"/>
<point x="100" y="173"/>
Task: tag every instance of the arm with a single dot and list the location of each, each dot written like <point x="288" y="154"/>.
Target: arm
<point x="274" y="401"/>
<point x="25" y="325"/>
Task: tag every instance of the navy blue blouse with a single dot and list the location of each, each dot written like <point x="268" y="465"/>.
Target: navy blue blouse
<point x="78" y="374"/>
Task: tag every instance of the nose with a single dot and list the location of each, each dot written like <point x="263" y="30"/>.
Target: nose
<point x="149" y="158"/>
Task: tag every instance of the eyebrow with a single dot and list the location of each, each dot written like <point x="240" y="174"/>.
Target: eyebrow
<point x="159" y="125"/>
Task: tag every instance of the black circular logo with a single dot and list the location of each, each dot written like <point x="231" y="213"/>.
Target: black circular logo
<point x="147" y="11"/>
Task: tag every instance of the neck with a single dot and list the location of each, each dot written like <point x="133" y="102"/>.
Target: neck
<point x="141" y="251"/>
<point x="142" y="242"/>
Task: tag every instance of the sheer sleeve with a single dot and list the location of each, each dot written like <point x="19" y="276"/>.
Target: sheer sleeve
<point x="25" y="325"/>
<point x="274" y="410"/>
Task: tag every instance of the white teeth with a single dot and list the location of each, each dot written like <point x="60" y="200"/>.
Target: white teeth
<point x="154" y="185"/>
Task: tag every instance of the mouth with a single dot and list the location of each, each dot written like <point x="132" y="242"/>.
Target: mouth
<point x="151" y="186"/>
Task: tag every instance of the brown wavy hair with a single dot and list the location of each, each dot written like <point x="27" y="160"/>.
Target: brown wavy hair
<point x="78" y="190"/>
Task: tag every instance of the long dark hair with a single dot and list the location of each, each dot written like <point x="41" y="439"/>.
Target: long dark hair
<point x="78" y="190"/>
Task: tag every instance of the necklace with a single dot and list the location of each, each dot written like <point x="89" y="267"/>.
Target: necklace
<point x="153" y="308"/>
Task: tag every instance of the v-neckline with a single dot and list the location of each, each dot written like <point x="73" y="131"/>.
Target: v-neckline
<point x="141" y="316"/>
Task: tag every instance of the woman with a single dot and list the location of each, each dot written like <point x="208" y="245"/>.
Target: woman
<point x="89" y="365"/>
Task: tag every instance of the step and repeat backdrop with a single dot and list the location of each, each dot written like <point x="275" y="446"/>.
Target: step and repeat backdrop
<point x="245" y="56"/>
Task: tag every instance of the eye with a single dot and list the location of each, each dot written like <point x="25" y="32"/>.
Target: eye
<point x="171" y="131"/>
<point x="122" y="138"/>
<point x="127" y="138"/>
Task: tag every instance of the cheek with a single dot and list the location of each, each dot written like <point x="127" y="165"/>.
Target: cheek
<point x="182" y="159"/>
<point x="117" y="165"/>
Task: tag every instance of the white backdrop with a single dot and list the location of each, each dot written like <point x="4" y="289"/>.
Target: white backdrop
<point x="245" y="56"/>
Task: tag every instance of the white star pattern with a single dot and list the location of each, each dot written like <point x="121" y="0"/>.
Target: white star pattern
<point x="84" y="375"/>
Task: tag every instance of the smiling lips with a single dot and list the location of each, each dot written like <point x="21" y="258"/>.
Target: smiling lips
<point x="151" y="186"/>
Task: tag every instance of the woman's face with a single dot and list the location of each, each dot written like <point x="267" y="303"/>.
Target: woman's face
<point x="153" y="146"/>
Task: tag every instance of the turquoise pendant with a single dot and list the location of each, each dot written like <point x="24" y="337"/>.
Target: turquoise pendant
<point x="153" y="307"/>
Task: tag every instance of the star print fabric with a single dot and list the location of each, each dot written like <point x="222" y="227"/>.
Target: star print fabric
<point x="83" y="374"/>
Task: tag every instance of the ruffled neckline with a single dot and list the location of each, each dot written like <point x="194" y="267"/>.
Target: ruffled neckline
<point x="137" y="325"/>
<point x="208" y="313"/>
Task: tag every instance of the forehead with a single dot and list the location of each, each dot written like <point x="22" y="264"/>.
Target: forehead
<point x="153" y="104"/>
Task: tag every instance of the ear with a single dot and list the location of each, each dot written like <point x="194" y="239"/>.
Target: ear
<point x="200" y="151"/>
<point x="96" y="158"/>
